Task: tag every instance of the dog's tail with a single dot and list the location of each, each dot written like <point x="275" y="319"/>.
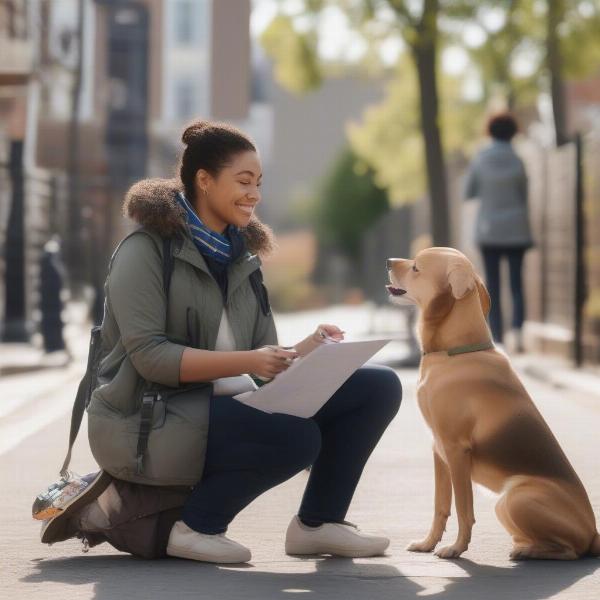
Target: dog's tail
<point x="595" y="546"/>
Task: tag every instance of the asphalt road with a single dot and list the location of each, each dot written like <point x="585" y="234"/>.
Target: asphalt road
<point x="394" y="497"/>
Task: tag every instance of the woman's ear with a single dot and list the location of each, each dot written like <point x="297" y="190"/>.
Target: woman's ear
<point x="202" y="181"/>
<point x="460" y="280"/>
<point x="484" y="296"/>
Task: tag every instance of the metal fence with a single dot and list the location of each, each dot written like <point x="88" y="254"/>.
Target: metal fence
<point x="562" y="275"/>
<point x="590" y="163"/>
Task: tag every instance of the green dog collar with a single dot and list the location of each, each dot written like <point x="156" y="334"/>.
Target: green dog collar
<point x="464" y="349"/>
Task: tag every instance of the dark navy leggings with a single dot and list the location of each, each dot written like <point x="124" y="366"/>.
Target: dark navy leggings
<point x="491" y="259"/>
<point x="250" y="451"/>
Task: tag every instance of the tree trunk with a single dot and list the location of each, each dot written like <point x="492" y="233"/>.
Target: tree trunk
<point x="424" y="52"/>
<point x="555" y="15"/>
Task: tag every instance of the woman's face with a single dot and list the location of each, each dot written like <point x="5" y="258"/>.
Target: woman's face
<point x="231" y="197"/>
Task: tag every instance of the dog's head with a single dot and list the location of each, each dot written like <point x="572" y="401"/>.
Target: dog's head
<point x="434" y="280"/>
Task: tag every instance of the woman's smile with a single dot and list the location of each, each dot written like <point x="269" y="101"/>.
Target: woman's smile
<point x="246" y="208"/>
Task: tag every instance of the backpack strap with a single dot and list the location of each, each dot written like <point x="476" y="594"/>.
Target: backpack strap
<point x="168" y="263"/>
<point x="88" y="382"/>
<point x="146" y="414"/>
<point x="260" y="291"/>
<point x="81" y="398"/>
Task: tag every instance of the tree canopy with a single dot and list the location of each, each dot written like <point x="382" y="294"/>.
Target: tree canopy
<point x="511" y="50"/>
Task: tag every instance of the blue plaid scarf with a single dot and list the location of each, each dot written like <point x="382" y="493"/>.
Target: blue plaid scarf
<point x="209" y="242"/>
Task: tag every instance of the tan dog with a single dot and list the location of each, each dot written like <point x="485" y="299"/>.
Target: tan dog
<point x="485" y="426"/>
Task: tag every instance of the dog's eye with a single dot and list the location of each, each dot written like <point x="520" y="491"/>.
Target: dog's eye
<point x="414" y="268"/>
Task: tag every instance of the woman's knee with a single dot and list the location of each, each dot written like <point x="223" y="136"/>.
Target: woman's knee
<point x="303" y="443"/>
<point x="386" y="389"/>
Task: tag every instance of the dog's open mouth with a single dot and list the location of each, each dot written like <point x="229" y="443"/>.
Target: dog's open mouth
<point x="394" y="291"/>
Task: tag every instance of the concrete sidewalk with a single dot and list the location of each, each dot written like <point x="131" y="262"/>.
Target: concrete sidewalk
<point x="395" y="497"/>
<point x="23" y="358"/>
<point x="560" y="373"/>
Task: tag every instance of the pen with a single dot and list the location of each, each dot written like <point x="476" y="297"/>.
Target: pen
<point x="289" y="348"/>
<point x="328" y="338"/>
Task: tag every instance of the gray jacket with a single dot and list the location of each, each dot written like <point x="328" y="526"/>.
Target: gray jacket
<point x="497" y="177"/>
<point x="142" y="342"/>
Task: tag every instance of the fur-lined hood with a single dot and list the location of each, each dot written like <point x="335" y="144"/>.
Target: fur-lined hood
<point x="152" y="204"/>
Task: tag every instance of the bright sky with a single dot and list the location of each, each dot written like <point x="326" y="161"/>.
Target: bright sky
<point x="338" y="42"/>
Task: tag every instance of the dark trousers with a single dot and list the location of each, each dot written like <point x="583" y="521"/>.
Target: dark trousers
<point x="250" y="451"/>
<point x="492" y="256"/>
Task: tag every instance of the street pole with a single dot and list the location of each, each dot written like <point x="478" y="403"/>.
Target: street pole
<point x="580" y="280"/>
<point x="74" y="241"/>
<point x="15" y="318"/>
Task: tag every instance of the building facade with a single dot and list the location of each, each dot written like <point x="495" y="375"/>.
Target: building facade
<point x="97" y="93"/>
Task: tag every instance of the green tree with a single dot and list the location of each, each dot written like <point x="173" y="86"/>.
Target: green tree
<point x="559" y="38"/>
<point x="418" y="27"/>
<point x="297" y="67"/>
<point x="555" y="40"/>
<point x="422" y="35"/>
<point x="572" y="40"/>
<point x="511" y="34"/>
<point x="347" y="204"/>
<point x="389" y="138"/>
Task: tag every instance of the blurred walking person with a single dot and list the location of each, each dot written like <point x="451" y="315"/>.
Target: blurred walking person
<point x="497" y="177"/>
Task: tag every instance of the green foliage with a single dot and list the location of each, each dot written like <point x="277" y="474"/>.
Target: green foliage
<point x="496" y="56"/>
<point x="524" y="33"/>
<point x="389" y="138"/>
<point x="580" y="38"/>
<point x="347" y="204"/>
<point x="296" y="62"/>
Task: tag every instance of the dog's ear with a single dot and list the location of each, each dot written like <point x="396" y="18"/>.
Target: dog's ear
<point x="461" y="280"/>
<point x="484" y="296"/>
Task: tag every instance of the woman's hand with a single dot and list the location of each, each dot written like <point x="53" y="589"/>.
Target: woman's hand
<point x="323" y="333"/>
<point x="270" y="361"/>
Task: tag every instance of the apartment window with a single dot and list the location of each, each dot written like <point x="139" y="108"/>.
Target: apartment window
<point x="186" y="102"/>
<point x="185" y="23"/>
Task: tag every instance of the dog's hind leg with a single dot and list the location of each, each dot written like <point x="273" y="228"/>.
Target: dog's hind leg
<point x="542" y="518"/>
<point x="541" y="551"/>
<point x="442" y="502"/>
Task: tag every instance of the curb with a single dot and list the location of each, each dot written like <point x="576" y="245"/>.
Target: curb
<point x="559" y="374"/>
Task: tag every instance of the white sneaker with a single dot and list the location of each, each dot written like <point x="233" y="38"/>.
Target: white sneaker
<point x="187" y="543"/>
<point x="336" y="539"/>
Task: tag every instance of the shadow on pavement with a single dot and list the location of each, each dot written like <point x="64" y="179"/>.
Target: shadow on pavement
<point x="534" y="580"/>
<point x="124" y="576"/>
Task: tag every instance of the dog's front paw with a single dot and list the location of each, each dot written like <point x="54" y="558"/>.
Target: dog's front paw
<point x="453" y="551"/>
<point x="426" y="545"/>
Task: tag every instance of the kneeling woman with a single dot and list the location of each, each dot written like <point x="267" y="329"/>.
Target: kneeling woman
<point x="196" y="349"/>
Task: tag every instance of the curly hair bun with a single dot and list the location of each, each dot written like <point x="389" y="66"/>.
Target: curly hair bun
<point x="193" y="132"/>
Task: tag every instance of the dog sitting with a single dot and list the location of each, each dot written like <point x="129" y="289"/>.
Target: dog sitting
<point x="485" y="426"/>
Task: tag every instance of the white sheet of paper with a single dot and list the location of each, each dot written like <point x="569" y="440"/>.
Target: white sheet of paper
<point x="310" y="381"/>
